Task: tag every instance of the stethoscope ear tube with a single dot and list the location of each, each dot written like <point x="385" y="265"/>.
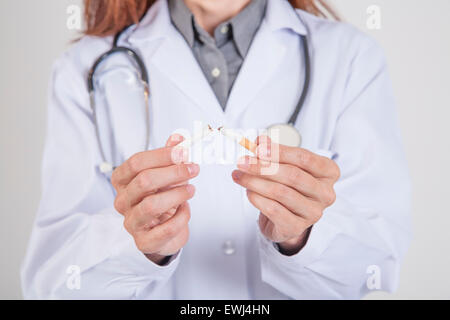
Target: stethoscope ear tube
<point x="142" y="69"/>
<point x="286" y="133"/>
<point x="301" y="102"/>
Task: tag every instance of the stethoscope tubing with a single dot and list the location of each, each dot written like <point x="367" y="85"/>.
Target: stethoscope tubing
<point x="306" y="84"/>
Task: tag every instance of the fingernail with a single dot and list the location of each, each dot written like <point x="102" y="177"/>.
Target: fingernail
<point x="176" y="137"/>
<point x="193" y="169"/>
<point x="179" y="154"/>
<point x="190" y="189"/>
<point x="237" y="174"/>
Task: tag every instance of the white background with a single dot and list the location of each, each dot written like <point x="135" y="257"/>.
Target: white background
<point x="416" y="38"/>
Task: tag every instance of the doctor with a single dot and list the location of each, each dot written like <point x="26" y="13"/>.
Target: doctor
<point x="334" y="226"/>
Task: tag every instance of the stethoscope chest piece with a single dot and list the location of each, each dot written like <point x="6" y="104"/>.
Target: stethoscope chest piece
<point x="285" y="134"/>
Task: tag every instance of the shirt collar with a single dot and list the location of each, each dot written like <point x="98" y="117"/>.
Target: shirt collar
<point x="183" y="20"/>
<point x="245" y="25"/>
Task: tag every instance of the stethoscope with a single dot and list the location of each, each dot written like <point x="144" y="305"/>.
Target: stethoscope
<point x="283" y="133"/>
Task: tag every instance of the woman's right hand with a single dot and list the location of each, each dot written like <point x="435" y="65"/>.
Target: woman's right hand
<point x="152" y="195"/>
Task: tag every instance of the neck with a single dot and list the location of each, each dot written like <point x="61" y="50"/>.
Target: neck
<point x="210" y="13"/>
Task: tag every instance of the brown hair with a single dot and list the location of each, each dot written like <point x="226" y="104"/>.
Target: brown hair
<point x="108" y="17"/>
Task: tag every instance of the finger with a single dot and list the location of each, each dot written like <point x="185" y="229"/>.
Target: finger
<point x="151" y="180"/>
<point x="286" y="174"/>
<point x="151" y="241"/>
<point x="164" y="217"/>
<point x="174" y="140"/>
<point x="158" y="220"/>
<point x="147" y="160"/>
<point x="284" y="220"/>
<point x="263" y="139"/>
<point x="288" y="197"/>
<point x="318" y="166"/>
<point x="144" y="214"/>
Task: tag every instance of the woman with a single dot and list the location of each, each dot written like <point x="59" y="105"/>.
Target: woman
<point x="327" y="227"/>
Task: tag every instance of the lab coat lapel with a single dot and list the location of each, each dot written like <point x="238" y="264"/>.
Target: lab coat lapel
<point x="263" y="58"/>
<point x="175" y="60"/>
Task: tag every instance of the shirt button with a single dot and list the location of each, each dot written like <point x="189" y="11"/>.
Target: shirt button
<point x="215" y="72"/>
<point x="228" y="248"/>
<point x="224" y="29"/>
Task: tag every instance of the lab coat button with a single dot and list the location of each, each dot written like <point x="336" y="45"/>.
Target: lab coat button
<point x="228" y="248"/>
<point x="224" y="29"/>
<point x="215" y="72"/>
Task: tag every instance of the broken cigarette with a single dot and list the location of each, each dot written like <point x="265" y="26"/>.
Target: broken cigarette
<point x="243" y="141"/>
<point x="189" y="142"/>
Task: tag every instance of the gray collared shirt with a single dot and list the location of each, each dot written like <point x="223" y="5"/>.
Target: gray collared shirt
<point x="220" y="57"/>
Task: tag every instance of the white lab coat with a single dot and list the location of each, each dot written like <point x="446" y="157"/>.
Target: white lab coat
<point x="349" y="115"/>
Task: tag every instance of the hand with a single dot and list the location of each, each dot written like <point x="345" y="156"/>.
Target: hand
<point x="293" y="198"/>
<point x="152" y="195"/>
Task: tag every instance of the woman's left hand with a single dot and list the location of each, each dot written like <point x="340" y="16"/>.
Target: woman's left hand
<point x="292" y="197"/>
